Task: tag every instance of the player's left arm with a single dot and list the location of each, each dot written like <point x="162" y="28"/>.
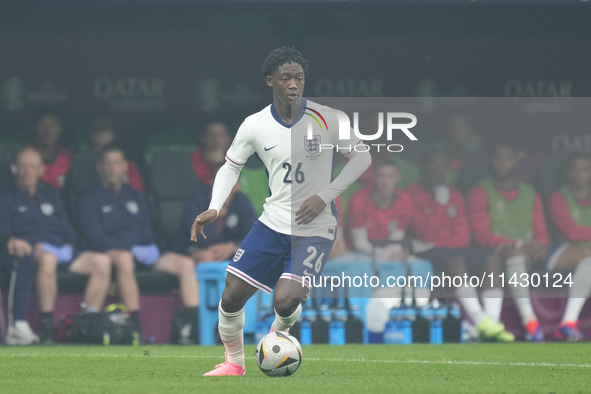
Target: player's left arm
<point x="358" y="163"/>
<point x="224" y="181"/>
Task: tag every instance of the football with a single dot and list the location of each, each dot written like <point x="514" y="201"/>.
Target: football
<point x="278" y="354"/>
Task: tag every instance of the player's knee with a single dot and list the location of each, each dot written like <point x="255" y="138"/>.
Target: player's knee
<point x="186" y="266"/>
<point x="586" y="253"/>
<point x="286" y="305"/>
<point x="47" y="262"/>
<point x="583" y="252"/>
<point x="101" y="265"/>
<point x="125" y="266"/>
<point x="232" y="301"/>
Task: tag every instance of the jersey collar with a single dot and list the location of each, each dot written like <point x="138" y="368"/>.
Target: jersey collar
<point x="296" y="120"/>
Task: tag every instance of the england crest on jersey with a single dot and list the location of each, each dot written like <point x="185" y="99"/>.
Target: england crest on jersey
<point x="312" y="145"/>
<point x="238" y="254"/>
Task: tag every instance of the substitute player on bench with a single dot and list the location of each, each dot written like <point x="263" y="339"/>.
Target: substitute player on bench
<point x="570" y="209"/>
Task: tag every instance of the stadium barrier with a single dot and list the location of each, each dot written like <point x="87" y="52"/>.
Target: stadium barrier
<point x="212" y="279"/>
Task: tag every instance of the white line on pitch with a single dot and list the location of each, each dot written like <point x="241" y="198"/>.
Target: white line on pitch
<point x="449" y="362"/>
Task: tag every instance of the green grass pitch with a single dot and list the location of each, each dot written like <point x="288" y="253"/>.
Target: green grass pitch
<point x="474" y="368"/>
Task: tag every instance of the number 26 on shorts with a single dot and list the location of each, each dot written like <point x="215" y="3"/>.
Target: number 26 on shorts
<point x="308" y="262"/>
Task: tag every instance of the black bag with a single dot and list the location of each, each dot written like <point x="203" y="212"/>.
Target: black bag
<point x="421" y="330"/>
<point x="320" y="331"/>
<point x="81" y="328"/>
<point x="109" y="328"/>
<point x="185" y="327"/>
<point x="452" y="330"/>
<point x="354" y="330"/>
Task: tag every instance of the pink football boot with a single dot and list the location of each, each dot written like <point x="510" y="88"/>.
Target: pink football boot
<point x="227" y="369"/>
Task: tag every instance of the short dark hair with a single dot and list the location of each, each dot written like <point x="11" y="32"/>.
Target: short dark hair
<point x="42" y="112"/>
<point x="101" y="123"/>
<point x="279" y="57"/>
<point x="576" y="156"/>
<point x="109" y="149"/>
<point x="502" y="144"/>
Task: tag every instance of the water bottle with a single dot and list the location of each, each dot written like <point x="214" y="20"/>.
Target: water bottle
<point x="354" y="330"/>
<point x="392" y="332"/>
<point x="456" y="313"/>
<point x="408" y="317"/>
<point x="436" y="325"/>
<point x="308" y="317"/>
<point x="453" y="326"/>
<point x="337" y="327"/>
<point x="421" y="328"/>
<point x="341" y="303"/>
<point x="320" y="328"/>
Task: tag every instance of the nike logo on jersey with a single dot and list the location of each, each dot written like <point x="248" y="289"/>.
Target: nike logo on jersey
<point x="107" y="208"/>
<point x="268" y="149"/>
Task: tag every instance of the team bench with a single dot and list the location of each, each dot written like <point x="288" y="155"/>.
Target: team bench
<point x="159" y="299"/>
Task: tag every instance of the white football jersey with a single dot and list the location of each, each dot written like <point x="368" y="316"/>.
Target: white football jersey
<point x="298" y="168"/>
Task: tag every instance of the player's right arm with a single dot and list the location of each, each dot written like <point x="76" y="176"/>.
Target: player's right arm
<point x="239" y="152"/>
<point x="15" y="246"/>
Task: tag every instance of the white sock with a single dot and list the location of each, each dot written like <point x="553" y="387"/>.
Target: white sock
<point x="377" y="312"/>
<point x="230" y="328"/>
<point x="377" y="315"/>
<point x="579" y="292"/>
<point x="492" y="300"/>
<point x="469" y="299"/>
<point x="285" y="323"/>
<point x="516" y="265"/>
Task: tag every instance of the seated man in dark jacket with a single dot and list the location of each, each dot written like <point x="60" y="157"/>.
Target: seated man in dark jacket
<point x="42" y="238"/>
<point x="224" y="238"/>
<point x="115" y="220"/>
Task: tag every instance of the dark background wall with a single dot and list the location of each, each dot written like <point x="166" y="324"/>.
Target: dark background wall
<point x="162" y="69"/>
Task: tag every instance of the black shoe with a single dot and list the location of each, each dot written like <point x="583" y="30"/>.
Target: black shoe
<point x="47" y="336"/>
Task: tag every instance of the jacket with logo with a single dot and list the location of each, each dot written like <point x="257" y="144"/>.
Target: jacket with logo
<point x="37" y="218"/>
<point x="113" y="220"/>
